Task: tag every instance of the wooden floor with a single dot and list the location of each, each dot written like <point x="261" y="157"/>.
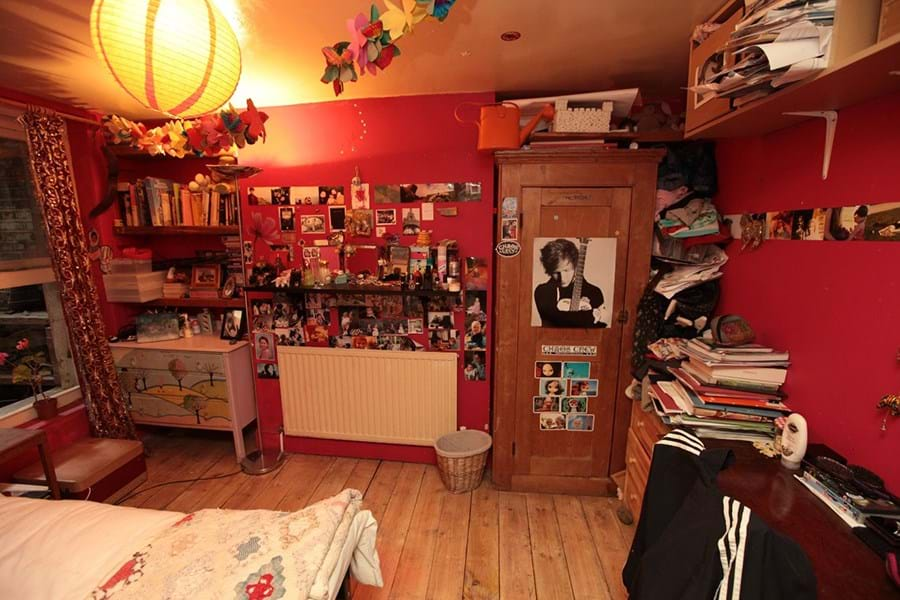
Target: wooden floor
<point x="484" y="544"/>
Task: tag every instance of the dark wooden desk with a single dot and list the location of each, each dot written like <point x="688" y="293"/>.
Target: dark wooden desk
<point x="16" y="441"/>
<point x="845" y="567"/>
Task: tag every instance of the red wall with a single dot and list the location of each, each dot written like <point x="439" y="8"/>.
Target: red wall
<point x="834" y="305"/>
<point x="394" y="140"/>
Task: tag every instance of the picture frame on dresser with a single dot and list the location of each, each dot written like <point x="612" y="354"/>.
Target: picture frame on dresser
<point x="233" y="324"/>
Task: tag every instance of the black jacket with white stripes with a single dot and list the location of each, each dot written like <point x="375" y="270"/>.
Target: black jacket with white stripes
<point x="692" y="542"/>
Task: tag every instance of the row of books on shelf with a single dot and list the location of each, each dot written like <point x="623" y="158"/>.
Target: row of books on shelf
<point x="725" y="393"/>
<point x="157" y="202"/>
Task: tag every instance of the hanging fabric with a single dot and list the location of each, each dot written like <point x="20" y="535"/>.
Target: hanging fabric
<point x="50" y="162"/>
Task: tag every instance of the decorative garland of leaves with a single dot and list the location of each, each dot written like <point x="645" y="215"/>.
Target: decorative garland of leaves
<point x="209" y="135"/>
<point x="372" y="44"/>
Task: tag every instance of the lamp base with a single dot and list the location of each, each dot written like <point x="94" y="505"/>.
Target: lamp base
<point x="261" y="462"/>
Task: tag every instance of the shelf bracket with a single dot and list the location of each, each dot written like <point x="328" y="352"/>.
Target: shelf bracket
<point x="830" y="117"/>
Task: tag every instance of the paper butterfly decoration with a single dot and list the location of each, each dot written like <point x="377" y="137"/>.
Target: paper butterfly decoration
<point x="372" y="41"/>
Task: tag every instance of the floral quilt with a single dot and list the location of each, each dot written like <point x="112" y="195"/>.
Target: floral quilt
<point x="254" y="555"/>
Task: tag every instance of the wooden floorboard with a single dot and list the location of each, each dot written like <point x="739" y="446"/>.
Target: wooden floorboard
<point x="480" y="545"/>
<point x="482" y="581"/>
<point x="516" y="568"/>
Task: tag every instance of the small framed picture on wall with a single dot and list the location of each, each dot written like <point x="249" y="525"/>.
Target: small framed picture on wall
<point x="206" y="276"/>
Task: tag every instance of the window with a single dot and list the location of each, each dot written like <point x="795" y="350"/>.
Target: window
<point x="29" y="296"/>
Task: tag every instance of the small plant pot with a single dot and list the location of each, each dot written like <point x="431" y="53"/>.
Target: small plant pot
<point x="46" y="408"/>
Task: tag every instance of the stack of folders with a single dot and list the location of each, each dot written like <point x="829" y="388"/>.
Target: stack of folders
<point x="725" y="393"/>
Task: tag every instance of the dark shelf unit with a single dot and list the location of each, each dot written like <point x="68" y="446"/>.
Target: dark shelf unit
<point x="197" y="302"/>
<point x="178" y="230"/>
<point x="353" y="289"/>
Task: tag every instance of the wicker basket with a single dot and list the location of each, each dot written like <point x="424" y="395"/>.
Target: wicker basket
<point x="461" y="457"/>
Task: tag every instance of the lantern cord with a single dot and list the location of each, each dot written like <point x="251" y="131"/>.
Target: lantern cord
<point x="68" y="116"/>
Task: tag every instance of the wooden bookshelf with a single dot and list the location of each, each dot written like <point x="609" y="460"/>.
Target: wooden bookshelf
<point x="197" y="302"/>
<point x="868" y="74"/>
<point x="386" y="290"/>
<point x="178" y="230"/>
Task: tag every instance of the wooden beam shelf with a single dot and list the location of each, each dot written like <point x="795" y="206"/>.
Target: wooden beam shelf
<point x="178" y="230"/>
<point x="868" y="74"/>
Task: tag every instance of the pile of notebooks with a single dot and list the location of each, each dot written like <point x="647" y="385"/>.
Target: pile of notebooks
<point x="731" y="393"/>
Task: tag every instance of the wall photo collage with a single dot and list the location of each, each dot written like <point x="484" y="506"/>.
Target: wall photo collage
<point x="564" y="393"/>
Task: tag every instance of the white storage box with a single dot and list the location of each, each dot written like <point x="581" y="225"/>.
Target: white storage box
<point x="135" y="287"/>
<point x="130" y="265"/>
<point x="582" y="120"/>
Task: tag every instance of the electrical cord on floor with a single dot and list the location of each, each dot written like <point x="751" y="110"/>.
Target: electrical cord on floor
<point x="165" y="483"/>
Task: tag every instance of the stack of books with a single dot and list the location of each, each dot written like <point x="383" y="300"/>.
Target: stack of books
<point x="726" y="393"/>
<point x="157" y="202"/>
<point x="175" y="289"/>
<point x="234" y="266"/>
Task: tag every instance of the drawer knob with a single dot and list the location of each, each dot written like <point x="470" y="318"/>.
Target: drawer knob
<point x="640" y="423"/>
<point x="632" y="461"/>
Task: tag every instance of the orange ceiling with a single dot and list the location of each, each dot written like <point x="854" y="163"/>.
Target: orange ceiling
<point x="566" y="46"/>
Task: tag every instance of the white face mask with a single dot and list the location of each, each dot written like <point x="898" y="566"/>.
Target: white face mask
<point x="793" y="441"/>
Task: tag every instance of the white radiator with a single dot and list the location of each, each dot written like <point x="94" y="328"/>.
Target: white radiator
<point x="368" y="395"/>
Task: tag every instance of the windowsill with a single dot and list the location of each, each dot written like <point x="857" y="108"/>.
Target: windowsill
<point x="23" y="411"/>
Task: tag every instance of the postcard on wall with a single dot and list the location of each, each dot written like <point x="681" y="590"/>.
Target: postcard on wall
<point x="414" y="325"/>
<point x="359" y="196"/>
<point x="261" y="314"/>
<point x="543" y="404"/>
<point x="306" y="195"/>
<point x="291" y="336"/>
<point x="264" y="342"/>
<point x="551" y="386"/>
<point x="510" y="208"/>
<point x="509" y="229"/>
<point x="387" y="194"/>
<point x="883" y="222"/>
<point x="333" y="194"/>
<point x="570" y="404"/>
<point x="576" y="370"/>
<point x="583" y="387"/>
<point x="476" y="333"/>
<point x="411" y="221"/>
<point x="286" y="215"/>
<point x="579" y="422"/>
<point x="476" y="273"/>
<point x="547" y="369"/>
<point x="267" y="370"/>
<point x="360" y="223"/>
<point x="779" y="225"/>
<point x="337" y="218"/>
<point x="553" y="421"/>
<point x="386" y="216"/>
<point x="440" y="320"/>
<point x="259" y="196"/>
<point x="428" y="211"/>
<point x="312" y="224"/>
<point x="281" y="196"/>
<point x="474" y="369"/>
<point x="556" y="277"/>
<point x="444" y="339"/>
<point x="808" y="225"/>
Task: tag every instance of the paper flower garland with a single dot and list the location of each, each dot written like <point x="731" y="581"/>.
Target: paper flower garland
<point x="209" y="135"/>
<point x="371" y="46"/>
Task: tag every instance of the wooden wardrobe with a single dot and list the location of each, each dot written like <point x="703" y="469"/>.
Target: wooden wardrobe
<point x="608" y="196"/>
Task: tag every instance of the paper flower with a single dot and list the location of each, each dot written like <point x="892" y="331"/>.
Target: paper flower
<point x="398" y="21"/>
<point x="22" y="344"/>
<point x="339" y="67"/>
<point x="3" y="358"/>
<point x="255" y="123"/>
<point x="439" y="9"/>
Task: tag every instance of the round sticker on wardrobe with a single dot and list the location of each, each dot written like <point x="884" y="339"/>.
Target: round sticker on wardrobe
<point x="508" y="248"/>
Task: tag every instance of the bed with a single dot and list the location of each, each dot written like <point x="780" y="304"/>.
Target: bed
<point x="73" y="549"/>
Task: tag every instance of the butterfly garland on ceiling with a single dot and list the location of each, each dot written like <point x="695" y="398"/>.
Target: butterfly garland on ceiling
<point x="372" y="46"/>
<point x="210" y="135"/>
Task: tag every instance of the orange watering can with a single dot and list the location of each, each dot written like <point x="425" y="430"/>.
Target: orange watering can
<point x="498" y="128"/>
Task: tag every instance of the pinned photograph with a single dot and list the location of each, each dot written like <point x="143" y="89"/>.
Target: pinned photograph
<point x="509" y="229"/>
<point x="248" y="253"/>
<point x="468" y="192"/>
<point x="292" y="336"/>
<point x="553" y="421"/>
<point x="360" y="223"/>
<point x="418" y="258"/>
<point x="476" y="273"/>
<point x="579" y="422"/>
<point x="476" y="334"/>
<point x="509" y="209"/>
<point x="281" y="196"/>
<point x="398" y="262"/>
<point x="444" y="339"/>
<point x="305" y="195"/>
<point x="440" y="320"/>
<point x="337" y="218"/>
<point x="883" y="222"/>
<point x="386" y="216"/>
<point x="414" y="325"/>
<point x="287" y="218"/>
<point x="411" y="221"/>
<point x="543" y="404"/>
<point x="780" y="224"/>
<point x="576" y="370"/>
<point x="474" y="366"/>
<point x="265" y="346"/>
<point x="359" y="196"/>
<point x="572" y="404"/>
<point x="802" y="225"/>
<point x="267" y="370"/>
<point x="476" y="305"/>
<point x="583" y="387"/>
<point x="316" y="334"/>
<point x="573" y="281"/>
<point x="387" y="194"/>
<point x="261" y="312"/>
<point x="312" y="224"/>
<point x="551" y="386"/>
<point x="331" y="195"/>
<point x="547" y="369"/>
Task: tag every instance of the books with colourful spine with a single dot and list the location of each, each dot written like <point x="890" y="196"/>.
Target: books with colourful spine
<point x="746" y="372"/>
<point x="736" y="354"/>
<point x="724" y="380"/>
<point x="720" y="391"/>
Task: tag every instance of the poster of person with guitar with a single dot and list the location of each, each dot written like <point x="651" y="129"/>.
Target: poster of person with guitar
<point x="569" y="276"/>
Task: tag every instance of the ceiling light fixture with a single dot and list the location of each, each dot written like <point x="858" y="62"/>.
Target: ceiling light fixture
<point x="179" y="57"/>
<point x="510" y="36"/>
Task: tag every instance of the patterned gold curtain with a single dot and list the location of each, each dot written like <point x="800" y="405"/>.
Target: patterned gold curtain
<point x="48" y="148"/>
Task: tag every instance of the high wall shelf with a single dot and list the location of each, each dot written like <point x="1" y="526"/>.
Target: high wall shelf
<point x="868" y="74"/>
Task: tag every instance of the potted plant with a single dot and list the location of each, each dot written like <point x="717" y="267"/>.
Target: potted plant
<point x="31" y="368"/>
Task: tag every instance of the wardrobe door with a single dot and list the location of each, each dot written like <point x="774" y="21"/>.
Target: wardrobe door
<point x="591" y="226"/>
